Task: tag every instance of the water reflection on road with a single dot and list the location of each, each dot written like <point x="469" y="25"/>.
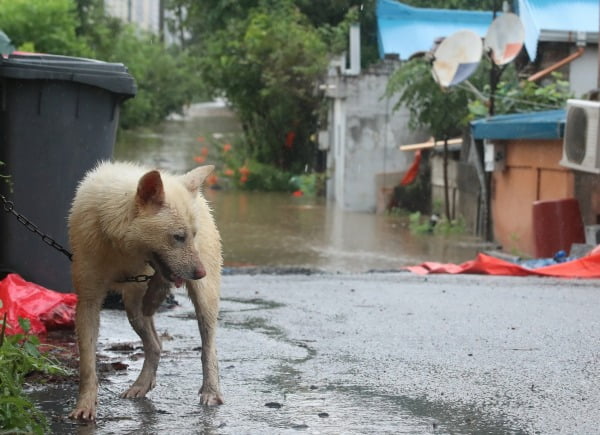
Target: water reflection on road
<point x="276" y="229"/>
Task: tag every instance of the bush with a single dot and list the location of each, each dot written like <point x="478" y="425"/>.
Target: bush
<point x="45" y="26"/>
<point x="165" y="77"/>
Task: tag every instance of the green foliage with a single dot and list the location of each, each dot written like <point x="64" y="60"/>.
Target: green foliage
<point x="445" y="227"/>
<point x="20" y="356"/>
<point x="419" y="224"/>
<point x="265" y="178"/>
<point x="267" y="65"/>
<point x="312" y="184"/>
<point x="514" y="96"/>
<point x="166" y="78"/>
<point x="242" y="172"/>
<point x="46" y="26"/>
<point x="443" y="112"/>
<point x="267" y="57"/>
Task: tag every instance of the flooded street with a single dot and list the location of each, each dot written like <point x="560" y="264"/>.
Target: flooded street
<point x="341" y="352"/>
<point x="277" y="229"/>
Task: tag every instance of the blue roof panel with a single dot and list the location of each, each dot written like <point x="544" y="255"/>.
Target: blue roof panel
<point x="549" y="124"/>
<point x="556" y="16"/>
<point x="406" y="30"/>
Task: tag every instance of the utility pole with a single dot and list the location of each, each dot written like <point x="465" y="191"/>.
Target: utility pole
<point x="161" y="20"/>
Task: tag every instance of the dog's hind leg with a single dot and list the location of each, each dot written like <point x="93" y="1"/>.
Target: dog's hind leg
<point x="143" y="325"/>
<point x="206" y="303"/>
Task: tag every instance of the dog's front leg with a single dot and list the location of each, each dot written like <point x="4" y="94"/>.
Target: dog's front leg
<point x="87" y="323"/>
<point x="206" y="304"/>
<point x="133" y="296"/>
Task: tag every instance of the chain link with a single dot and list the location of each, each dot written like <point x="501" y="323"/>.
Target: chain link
<point x="9" y="207"/>
<point x="137" y="278"/>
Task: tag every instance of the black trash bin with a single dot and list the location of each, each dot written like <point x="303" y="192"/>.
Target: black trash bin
<point x="58" y="118"/>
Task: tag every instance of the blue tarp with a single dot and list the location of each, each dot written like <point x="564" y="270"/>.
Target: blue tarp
<point x="548" y="124"/>
<point x="406" y="30"/>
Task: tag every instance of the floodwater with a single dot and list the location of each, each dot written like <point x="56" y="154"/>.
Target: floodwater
<point x="266" y="229"/>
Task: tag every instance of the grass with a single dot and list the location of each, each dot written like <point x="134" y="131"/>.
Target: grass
<point x="19" y="357"/>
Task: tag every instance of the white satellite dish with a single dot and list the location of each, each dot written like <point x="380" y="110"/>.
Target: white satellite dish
<point x="504" y="38"/>
<point x="457" y="58"/>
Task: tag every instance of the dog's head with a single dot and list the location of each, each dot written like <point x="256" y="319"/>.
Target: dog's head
<point x="165" y="224"/>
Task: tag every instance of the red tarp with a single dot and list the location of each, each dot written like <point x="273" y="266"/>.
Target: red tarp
<point x="46" y="309"/>
<point x="413" y="171"/>
<point x="585" y="267"/>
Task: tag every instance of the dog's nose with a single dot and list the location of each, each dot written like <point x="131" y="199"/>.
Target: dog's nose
<point x="199" y="272"/>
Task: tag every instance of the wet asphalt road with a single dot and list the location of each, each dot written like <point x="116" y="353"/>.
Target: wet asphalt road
<point x="366" y="353"/>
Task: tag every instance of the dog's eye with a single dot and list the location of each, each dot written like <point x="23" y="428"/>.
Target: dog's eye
<point x="179" y="237"/>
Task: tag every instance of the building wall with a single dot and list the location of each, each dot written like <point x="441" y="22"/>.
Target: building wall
<point x="532" y="173"/>
<point x="583" y="72"/>
<point x="145" y="13"/>
<point x="365" y="135"/>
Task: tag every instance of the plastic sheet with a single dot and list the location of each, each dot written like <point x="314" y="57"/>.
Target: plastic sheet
<point x="413" y="171"/>
<point x="45" y="309"/>
<point x="584" y="267"/>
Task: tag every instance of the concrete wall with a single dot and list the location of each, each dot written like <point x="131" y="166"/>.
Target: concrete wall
<point x="365" y="134"/>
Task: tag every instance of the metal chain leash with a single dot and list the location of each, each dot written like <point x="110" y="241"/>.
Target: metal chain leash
<point x="9" y="207"/>
<point x="137" y="278"/>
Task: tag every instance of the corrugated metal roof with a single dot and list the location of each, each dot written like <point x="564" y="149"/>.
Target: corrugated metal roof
<point x="557" y="20"/>
<point x="549" y="124"/>
<point x="406" y="30"/>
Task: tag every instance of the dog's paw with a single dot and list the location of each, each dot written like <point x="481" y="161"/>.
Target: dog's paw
<point x="87" y="413"/>
<point x="135" y="392"/>
<point x="211" y="398"/>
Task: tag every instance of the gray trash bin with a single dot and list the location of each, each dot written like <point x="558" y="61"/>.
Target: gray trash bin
<point x="58" y="118"/>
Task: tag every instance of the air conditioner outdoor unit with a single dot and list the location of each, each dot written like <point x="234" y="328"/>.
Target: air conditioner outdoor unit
<point x="581" y="141"/>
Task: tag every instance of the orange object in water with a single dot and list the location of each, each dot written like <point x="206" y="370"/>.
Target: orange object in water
<point x="557" y="224"/>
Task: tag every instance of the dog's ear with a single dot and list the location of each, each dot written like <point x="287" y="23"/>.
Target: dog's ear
<point x="194" y="179"/>
<point x="150" y="190"/>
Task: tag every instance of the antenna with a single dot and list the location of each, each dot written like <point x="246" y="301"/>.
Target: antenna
<point x="457" y="57"/>
<point x="504" y="38"/>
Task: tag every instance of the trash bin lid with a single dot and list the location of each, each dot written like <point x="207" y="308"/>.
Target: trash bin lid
<point x="113" y="77"/>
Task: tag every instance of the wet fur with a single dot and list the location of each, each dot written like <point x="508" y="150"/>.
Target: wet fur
<point x="127" y="220"/>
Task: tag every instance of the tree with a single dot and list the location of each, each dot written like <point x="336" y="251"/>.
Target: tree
<point x="267" y="58"/>
<point x="268" y="65"/>
<point x="46" y="26"/>
<point x="443" y="112"/>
